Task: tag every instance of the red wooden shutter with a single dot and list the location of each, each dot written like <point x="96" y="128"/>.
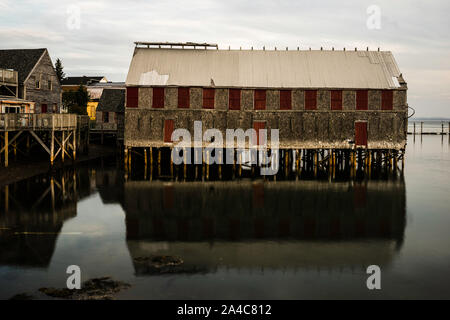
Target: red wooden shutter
<point x="208" y="98"/>
<point x="258" y="125"/>
<point x="285" y="100"/>
<point x="183" y="98"/>
<point x="362" y="100"/>
<point x="311" y="100"/>
<point x="361" y="133"/>
<point x="158" y="98"/>
<point x="132" y="97"/>
<point x="44" y="108"/>
<point x="234" y="99"/>
<point x="168" y="129"/>
<point x="260" y="99"/>
<point x="336" y="100"/>
<point x="387" y="100"/>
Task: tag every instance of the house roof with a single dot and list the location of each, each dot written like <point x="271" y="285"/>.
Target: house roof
<point x="84" y="80"/>
<point x="112" y="100"/>
<point x="263" y="68"/>
<point x="20" y="60"/>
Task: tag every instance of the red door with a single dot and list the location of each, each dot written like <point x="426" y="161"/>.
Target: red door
<point x="168" y="129"/>
<point x="43" y="108"/>
<point x="258" y="125"/>
<point x="361" y="133"/>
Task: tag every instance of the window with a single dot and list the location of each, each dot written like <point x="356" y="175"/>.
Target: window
<point x="168" y="129"/>
<point x="49" y="85"/>
<point x="336" y="99"/>
<point x="38" y="83"/>
<point x="132" y="97"/>
<point x="387" y="100"/>
<point x="311" y="100"/>
<point x="105" y="117"/>
<point x="183" y="98"/>
<point x="260" y="99"/>
<point x="285" y="100"/>
<point x="362" y="100"/>
<point x="158" y="98"/>
<point x="208" y="98"/>
<point x="235" y="99"/>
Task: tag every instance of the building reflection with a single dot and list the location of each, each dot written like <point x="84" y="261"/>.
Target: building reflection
<point x="253" y="225"/>
<point x="212" y="225"/>
<point x="32" y="214"/>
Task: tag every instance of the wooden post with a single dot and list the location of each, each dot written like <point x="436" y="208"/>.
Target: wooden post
<point x="207" y="164"/>
<point x="125" y="159"/>
<point x="151" y="159"/>
<point x="334" y="164"/>
<point x="421" y="127"/>
<point x="52" y="147"/>
<point x="316" y="163"/>
<point x="159" y="162"/>
<point x="185" y="163"/>
<point x="63" y="145"/>
<point x="240" y="164"/>
<point x="6" y="148"/>
<point x="414" y="131"/>
<point x="286" y="163"/>
<point x="442" y="128"/>
<point x="74" y="145"/>
<point x="171" y="164"/>
<point x="145" y="163"/>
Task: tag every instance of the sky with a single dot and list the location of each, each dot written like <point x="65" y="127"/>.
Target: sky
<point x="96" y="37"/>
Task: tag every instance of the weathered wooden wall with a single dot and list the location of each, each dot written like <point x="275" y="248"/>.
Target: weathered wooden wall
<point x="299" y="128"/>
<point x="44" y="70"/>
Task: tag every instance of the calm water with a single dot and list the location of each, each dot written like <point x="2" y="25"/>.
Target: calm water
<point x="239" y="240"/>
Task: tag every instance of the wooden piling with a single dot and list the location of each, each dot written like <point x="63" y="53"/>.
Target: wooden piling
<point x="159" y="162"/>
<point x="6" y="149"/>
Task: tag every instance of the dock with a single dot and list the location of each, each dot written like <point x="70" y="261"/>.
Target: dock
<point x="60" y="135"/>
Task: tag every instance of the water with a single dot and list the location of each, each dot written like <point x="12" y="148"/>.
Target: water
<point x="239" y="240"/>
<point x="429" y="126"/>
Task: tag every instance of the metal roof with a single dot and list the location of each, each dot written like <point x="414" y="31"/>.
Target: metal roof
<point x="263" y="68"/>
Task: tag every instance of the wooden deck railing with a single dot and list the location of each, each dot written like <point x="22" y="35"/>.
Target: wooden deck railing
<point x="8" y="77"/>
<point x="30" y="121"/>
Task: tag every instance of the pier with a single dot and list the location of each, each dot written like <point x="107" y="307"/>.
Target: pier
<point x="293" y="164"/>
<point x="60" y="135"/>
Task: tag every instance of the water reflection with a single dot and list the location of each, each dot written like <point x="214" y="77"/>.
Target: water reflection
<point x="246" y="224"/>
<point x="33" y="214"/>
<point x="270" y="225"/>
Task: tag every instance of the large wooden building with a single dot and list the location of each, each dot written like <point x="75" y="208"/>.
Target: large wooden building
<point x="318" y="99"/>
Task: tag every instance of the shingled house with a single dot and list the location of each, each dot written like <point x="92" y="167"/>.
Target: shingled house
<point x="111" y="111"/>
<point x="36" y="79"/>
<point x="318" y="99"/>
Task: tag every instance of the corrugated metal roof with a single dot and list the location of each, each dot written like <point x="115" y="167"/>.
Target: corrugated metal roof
<point x="263" y="68"/>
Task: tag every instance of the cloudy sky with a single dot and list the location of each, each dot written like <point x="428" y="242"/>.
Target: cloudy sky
<point x="101" y="41"/>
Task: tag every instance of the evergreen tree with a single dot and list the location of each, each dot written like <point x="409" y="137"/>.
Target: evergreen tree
<point x="59" y="70"/>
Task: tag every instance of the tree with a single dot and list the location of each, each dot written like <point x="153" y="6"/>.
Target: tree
<point x="59" y="70"/>
<point x="76" y="101"/>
